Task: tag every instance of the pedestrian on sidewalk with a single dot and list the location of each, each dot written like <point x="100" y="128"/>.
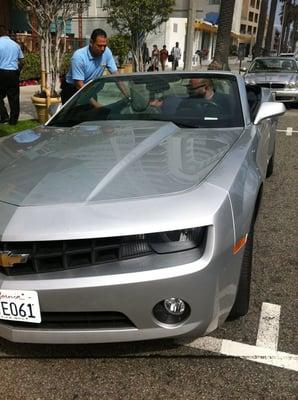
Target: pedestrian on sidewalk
<point x="163" y="55"/>
<point x="176" y="55"/>
<point x="154" y="58"/>
<point x="88" y="63"/>
<point x="10" y="66"/>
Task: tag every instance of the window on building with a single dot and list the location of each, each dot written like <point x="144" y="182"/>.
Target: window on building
<point x="249" y="29"/>
<point x="175" y="28"/>
<point x="256" y="17"/>
<point x="102" y="3"/>
<point x="251" y="16"/>
<point x="255" y="30"/>
<point x="258" y="4"/>
<point x="214" y="1"/>
<point x="242" y="28"/>
<point x="252" y="3"/>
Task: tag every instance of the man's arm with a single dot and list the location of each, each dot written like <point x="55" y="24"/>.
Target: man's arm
<point x="78" y="84"/>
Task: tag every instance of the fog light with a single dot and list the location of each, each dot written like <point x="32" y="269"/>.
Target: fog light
<point x="174" y="306"/>
<point x="171" y="311"/>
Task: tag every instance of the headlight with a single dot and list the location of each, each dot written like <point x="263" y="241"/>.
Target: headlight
<point x="292" y="85"/>
<point x="174" y="241"/>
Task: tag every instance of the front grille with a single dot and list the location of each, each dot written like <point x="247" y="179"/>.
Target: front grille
<point x="77" y="320"/>
<point x="68" y="254"/>
<point x="273" y="85"/>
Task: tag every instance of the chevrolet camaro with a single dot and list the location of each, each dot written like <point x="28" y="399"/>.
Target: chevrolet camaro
<point x="130" y="214"/>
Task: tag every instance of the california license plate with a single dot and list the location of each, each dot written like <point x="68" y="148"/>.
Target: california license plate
<point x="19" y="305"/>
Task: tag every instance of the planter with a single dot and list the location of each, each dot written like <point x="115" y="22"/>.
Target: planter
<point x="128" y="68"/>
<point x="125" y="69"/>
<point x="41" y="107"/>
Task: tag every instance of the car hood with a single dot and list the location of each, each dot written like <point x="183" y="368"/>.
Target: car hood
<point x="273" y="77"/>
<point x="107" y="160"/>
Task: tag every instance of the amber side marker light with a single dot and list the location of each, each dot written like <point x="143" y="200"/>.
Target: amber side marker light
<point x="239" y="244"/>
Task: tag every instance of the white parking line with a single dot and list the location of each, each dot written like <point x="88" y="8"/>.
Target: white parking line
<point x="289" y="131"/>
<point x="265" y="352"/>
<point x="268" y="326"/>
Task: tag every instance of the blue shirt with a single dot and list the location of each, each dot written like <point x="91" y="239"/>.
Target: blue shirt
<point x="10" y="54"/>
<point x="84" y="67"/>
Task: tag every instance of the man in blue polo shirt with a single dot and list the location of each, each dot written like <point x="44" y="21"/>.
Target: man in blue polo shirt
<point x="87" y="64"/>
<point x="10" y="55"/>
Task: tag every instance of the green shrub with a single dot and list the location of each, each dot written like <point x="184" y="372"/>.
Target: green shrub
<point x="119" y="45"/>
<point x="31" y="67"/>
<point x="65" y="63"/>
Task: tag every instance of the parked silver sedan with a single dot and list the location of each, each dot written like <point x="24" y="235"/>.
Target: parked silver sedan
<point x="130" y="215"/>
<point x="279" y="74"/>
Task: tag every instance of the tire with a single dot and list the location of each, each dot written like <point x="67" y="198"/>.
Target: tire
<point x="270" y="166"/>
<point x="241" y="304"/>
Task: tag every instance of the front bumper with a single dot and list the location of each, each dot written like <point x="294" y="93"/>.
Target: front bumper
<point x="208" y="285"/>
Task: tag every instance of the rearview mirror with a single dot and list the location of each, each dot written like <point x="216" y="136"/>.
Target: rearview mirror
<point x="269" y="109"/>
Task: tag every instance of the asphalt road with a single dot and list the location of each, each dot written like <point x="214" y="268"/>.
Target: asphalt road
<point x="165" y="369"/>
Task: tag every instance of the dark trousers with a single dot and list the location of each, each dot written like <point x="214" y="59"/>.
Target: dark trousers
<point x="9" y="87"/>
<point x="67" y="91"/>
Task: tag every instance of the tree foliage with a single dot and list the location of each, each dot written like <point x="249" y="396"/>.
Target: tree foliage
<point x="138" y="18"/>
<point x="51" y="15"/>
<point x="119" y="45"/>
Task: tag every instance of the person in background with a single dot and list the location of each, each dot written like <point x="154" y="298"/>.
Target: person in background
<point x="10" y="66"/>
<point x="145" y="55"/>
<point x="88" y="63"/>
<point x="163" y="55"/>
<point x="176" y="53"/>
<point x="155" y="58"/>
<point x="200" y="56"/>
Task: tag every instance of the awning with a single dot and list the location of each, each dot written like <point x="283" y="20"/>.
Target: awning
<point x="205" y="26"/>
<point x="212" y="17"/>
<point x="241" y="37"/>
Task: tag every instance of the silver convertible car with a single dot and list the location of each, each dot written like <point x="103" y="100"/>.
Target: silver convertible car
<point x="130" y="214"/>
<point x="279" y="74"/>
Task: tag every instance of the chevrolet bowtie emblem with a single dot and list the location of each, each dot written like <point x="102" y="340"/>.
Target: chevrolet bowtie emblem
<point x="8" y="258"/>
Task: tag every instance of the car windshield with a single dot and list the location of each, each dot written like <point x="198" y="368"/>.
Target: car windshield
<point x="178" y="98"/>
<point x="273" y="65"/>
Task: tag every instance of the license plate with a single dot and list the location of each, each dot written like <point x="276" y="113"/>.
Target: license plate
<point x="19" y="305"/>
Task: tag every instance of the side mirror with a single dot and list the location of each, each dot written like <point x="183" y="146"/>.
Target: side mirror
<point x="269" y="109"/>
<point x="243" y="69"/>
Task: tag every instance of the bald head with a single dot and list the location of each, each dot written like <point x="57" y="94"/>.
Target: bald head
<point x="200" y="87"/>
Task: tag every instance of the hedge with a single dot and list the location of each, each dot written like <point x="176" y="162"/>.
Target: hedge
<point x="31" y="66"/>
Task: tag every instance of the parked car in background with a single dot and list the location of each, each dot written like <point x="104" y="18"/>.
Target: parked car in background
<point x="291" y="55"/>
<point x="279" y="74"/>
<point x="130" y="214"/>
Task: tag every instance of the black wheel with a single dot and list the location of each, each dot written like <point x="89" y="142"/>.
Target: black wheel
<point x="241" y="304"/>
<point x="270" y="165"/>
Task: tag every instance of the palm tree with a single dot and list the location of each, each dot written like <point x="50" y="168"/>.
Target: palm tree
<point x="226" y="12"/>
<point x="257" y="51"/>
<point x="269" y="33"/>
<point x="289" y="16"/>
